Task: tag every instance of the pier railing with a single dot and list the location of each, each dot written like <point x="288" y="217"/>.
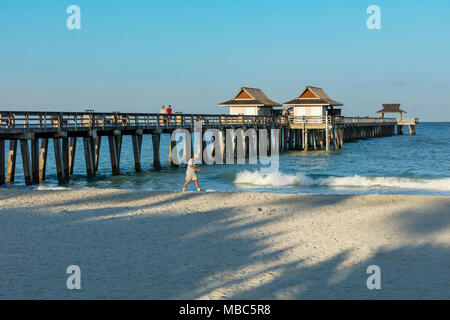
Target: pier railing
<point x="80" y="120"/>
<point x="408" y="121"/>
<point x="60" y="121"/>
<point x="333" y="120"/>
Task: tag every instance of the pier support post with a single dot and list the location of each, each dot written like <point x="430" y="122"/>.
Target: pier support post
<point x="156" y="137"/>
<point x="114" y="155"/>
<point x="222" y="143"/>
<point x="43" y="159"/>
<point x="321" y="141"/>
<point x="399" y="130"/>
<point x="174" y="155"/>
<point x="65" y="157"/>
<point x="35" y="160"/>
<point x="280" y="140"/>
<point x="235" y="145"/>
<point x="305" y="140"/>
<point x="97" y="144"/>
<point x="2" y="162"/>
<point x="246" y="143"/>
<point x="12" y="154"/>
<point x="72" y="150"/>
<point x="291" y="139"/>
<point x="213" y="151"/>
<point x="58" y="160"/>
<point x="26" y="161"/>
<point x="298" y="139"/>
<point x="119" y="139"/>
<point x="136" y="140"/>
<point x="285" y="139"/>
<point x="201" y="147"/>
<point x="187" y="146"/>
<point x="89" y="156"/>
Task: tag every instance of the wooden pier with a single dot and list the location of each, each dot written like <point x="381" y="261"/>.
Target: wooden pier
<point x="33" y="130"/>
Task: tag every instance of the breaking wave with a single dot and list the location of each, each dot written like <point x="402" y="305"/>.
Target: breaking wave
<point x="278" y="179"/>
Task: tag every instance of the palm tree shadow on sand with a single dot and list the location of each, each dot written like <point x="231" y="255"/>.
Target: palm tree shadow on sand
<point x="201" y="254"/>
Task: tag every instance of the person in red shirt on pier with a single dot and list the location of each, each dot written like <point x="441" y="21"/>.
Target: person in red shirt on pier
<point x="169" y="113"/>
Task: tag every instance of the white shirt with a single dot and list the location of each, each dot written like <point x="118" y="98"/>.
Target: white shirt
<point x="189" y="170"/>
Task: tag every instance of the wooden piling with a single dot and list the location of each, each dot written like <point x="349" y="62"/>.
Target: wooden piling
<point x="291" y="139"/>
<point x="223" y="142"/>
<point x="119" y="139"/>
<point x="114" y="155"/>
<point x="286" y="139"/>
<point x="43" y="159"/>
<point x="314" y="139"/>
<point x="72" y="150"/>
<point x="35" y="160"/>
<point x="156" y="137"/>
<point x="2" y="163"/>
<point x="58" y="161"/>
<point x="137" y="147"/>
<point x="97" y="142"/>
<point x="305" y="140"/>
<point x="65" y="157"/>
<point x="26" y="162"/>
<point x="89" y="156"/>
<point x="172" y="156"/>
<point x="12" y="154"/>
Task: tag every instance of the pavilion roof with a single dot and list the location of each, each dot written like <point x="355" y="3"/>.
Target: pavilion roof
<point x="391" y="108"/>
<point x="313" y="95"/>
<point x="250" y="97"/>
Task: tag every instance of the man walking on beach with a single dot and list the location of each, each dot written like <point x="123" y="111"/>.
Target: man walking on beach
<point x="190" y="174"/>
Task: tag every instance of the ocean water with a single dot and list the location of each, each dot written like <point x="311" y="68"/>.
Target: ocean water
<point x="392" y="165"/>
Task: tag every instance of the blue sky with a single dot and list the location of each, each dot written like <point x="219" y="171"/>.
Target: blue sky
<point x="138" y="55"/>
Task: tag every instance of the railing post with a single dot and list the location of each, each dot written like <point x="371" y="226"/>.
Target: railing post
<point x="327" y="134"/>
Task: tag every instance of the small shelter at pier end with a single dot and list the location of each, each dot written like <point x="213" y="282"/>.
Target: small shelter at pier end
<point x="251" y="102"/>
<point x="314" y="101"/>
<point x="391" y="108"/>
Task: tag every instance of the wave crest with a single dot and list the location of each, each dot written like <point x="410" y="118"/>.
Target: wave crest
<point x="285" y="180"/>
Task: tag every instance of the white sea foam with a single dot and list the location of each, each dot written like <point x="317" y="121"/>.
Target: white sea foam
<point x="53" y="188"/>
<point x="284" y="180"/>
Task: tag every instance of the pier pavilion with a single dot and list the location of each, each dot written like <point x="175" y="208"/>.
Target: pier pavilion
<point x="314" y="102"/>
<point x="395" y="108"/>
<point x="391" y="108"/>
<point x="250" y="102"/>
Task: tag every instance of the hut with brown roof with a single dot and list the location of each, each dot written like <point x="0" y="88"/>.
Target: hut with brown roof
<point x="314" y="101"/>
<point x="391" y="108"/>
<point x="250" y="101"/>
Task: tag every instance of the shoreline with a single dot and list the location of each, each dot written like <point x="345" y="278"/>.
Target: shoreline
<point x="173" y="245"/>
<point x="39" y="188"/>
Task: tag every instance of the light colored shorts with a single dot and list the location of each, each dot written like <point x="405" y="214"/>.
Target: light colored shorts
<point x="191" y="176"/>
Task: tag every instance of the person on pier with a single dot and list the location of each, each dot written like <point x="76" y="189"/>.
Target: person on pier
<point x="169" y="113"/>
<point x="163" y="111"/>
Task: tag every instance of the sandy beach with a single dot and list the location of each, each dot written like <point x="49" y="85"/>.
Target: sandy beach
<point x="154" y="245"/>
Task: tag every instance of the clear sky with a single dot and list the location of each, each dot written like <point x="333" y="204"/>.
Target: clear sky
<point x="135" y="56"/>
